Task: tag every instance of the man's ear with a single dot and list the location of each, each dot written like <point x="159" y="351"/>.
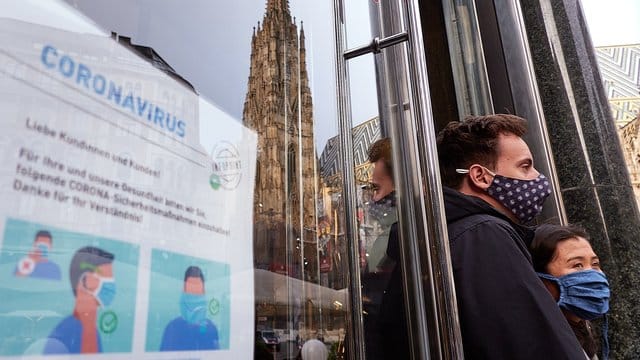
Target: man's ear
<point x="480" y="177"/>
<point x="89" y="281"/>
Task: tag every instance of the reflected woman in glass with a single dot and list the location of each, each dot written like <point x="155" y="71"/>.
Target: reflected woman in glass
<point x="570" y="270"/>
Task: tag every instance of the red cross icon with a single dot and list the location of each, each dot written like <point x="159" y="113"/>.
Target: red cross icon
<point x="26" y="266"/>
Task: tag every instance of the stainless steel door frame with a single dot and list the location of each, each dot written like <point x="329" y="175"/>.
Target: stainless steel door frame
<point x="525" y="97"/>
<point x="424" y="194"/>
<point x="427" y="275"/>
<point x="355" y="326"/>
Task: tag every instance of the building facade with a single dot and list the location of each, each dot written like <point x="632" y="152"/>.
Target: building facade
<point x="213" y="165"/>
<point x="279" y="107"/>
<point x="620" y="71"/>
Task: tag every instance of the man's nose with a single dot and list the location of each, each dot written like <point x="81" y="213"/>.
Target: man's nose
<point x="535" y="171"/>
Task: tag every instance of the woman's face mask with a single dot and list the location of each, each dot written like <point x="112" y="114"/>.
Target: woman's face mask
<point x="583" y="293"/>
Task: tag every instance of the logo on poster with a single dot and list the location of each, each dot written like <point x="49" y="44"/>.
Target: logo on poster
<point x="226" y="167"/>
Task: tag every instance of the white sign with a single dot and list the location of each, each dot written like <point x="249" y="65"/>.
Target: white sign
<point x="126" y="220"/>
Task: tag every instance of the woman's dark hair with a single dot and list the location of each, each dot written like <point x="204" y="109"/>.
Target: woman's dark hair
<point x="542" y="249"/>
<point x="546" y="240"/>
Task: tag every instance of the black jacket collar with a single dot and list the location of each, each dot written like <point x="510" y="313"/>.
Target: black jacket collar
<point x="459" y="206"/>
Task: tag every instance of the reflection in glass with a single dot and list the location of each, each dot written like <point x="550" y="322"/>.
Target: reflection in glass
<point x="298" y="235"/>
<point x="470" y="73"/>
<point x="299" y="239"/>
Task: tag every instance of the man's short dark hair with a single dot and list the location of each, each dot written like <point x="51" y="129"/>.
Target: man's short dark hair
<point x="44" y="233"/>
<point x="381" y="149"/>
<point x="193" y="271"/>
<point x="474" y="141"/>
<point x="87" y="259"/>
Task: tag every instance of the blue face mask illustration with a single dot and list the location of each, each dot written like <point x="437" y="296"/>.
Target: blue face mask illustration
<point x="193" y="308"/>
<point x="44" y="249"/>
<point x="105" y="292"/>
<point x="583" y="293"/>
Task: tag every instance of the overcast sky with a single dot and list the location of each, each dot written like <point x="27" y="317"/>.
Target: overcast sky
<point x="209" y="44"/>
<point x="613" y="22"/>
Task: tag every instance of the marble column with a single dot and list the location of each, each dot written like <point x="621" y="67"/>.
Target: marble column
<point x="595" y="186"/>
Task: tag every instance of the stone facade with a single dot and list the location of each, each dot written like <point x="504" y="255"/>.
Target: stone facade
<point x="631" y="149"/>
<point x="593" y="178"/>
<point x="278" y="105"/>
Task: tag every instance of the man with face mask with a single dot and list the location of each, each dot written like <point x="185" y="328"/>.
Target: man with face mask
<point x="379" y="266"/>
<point x="37" y="263"/>
<point x="382" y="206"/>
<point x="191" y="330"/>
<point x="491" y="191"/>
<point x="93" y="285"/>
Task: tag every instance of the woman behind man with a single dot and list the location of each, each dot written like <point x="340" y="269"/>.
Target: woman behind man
<point x="570" y="269"/>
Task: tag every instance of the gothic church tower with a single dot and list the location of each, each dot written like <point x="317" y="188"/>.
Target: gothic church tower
<point x="278" y="107"/>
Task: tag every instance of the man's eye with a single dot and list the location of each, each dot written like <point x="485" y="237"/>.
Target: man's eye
<point x="596" y="265"/>
<point x="578" y="266"/>
<point x="369" y="187"/>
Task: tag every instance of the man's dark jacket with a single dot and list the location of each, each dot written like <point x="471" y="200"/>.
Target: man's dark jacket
<point x="505" y="310"/>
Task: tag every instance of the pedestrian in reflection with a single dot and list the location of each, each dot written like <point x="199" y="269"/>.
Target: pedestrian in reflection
<point x="383" y="205"/>
<point x="378" y="266"/>
<point x="314" y="350"/>
<point x="491" y="191"/>
<point x="385" y="320"/>
<point x="570" y="270"/>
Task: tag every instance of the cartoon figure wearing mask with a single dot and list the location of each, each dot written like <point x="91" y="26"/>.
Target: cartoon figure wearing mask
<point x="192" y="330"/>
<point x="37" y="264"/>
<point x="93" y="285"/>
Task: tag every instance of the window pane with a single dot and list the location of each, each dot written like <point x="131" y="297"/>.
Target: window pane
<point x="197" y="173"/>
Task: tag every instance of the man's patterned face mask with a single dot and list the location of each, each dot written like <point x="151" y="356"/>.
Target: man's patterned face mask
<point x="524" y="198"/>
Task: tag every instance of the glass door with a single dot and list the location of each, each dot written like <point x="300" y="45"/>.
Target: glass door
<point x="402" y="292"/>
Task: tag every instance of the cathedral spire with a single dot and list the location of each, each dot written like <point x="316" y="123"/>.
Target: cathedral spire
<point x="278" y="106"/>
<point x="302" y="48"/>
<point x="278" y="6"/>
